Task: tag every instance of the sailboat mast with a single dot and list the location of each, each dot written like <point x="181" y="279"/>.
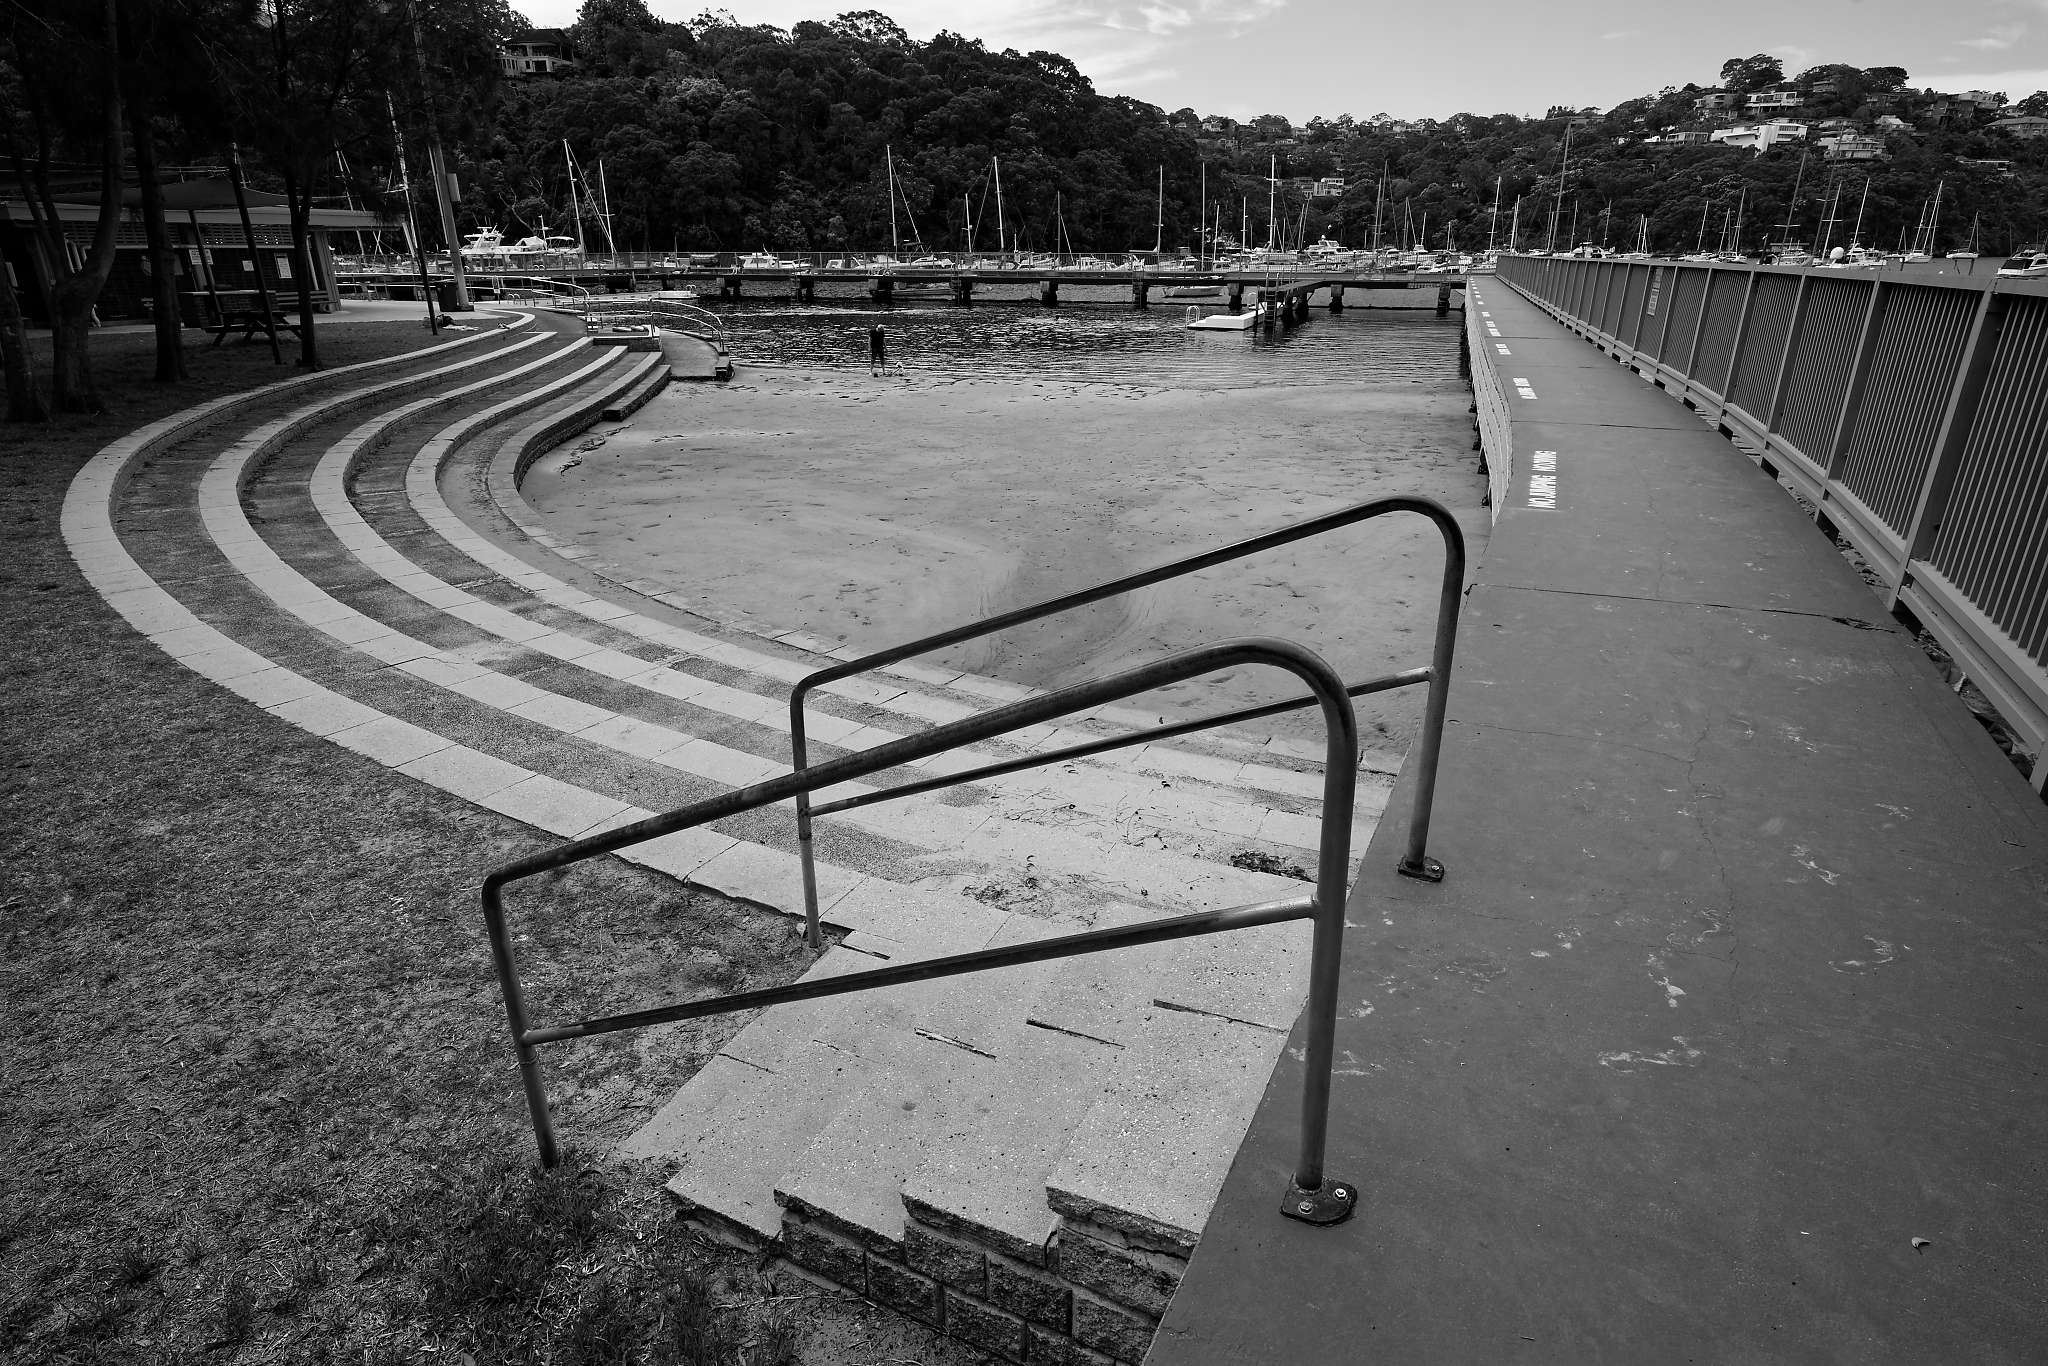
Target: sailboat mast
<point x="1857" y="235"/>
<point x="967" y="208"/>
<point x="1272" y="197"/>
<point x="1159" y="229"/>
<point x="1493" y="223"/>
<point x="999" y="204"/>
<point x="1202" y="247"/>
<point x="895" y="238"/>
<point x="575" y="208"/>
<point x="1515" y="226"/>
<point x="1564" y="165"/>
<point x="605" y="209"/>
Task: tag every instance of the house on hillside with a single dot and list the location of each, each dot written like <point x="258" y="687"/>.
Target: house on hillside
<point x="1961" y="108"/>
<point x="1718" y="102"/>
<point x="2023" y="126"/>
<point x="537" y="52"/>
<point x="1780" y="101"/>
<point x="1854" y="147"/>
<point x="1682" y="137"/>
<point x="1761" y="137"/>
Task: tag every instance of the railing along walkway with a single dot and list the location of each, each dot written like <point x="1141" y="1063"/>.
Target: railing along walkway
<point x="1310" y="1197"/>
<point x="1724" y="1040"/>
<point x="1912" y="411"/>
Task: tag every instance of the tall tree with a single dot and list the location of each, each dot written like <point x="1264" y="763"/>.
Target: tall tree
<point x="59" y="51"/>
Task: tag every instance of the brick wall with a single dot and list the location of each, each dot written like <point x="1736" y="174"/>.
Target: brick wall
<point x="1091" y="1297"/>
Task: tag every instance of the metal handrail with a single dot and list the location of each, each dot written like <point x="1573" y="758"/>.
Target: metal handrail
<point x="1415" y="863"/>
<point x="1309" y="1196"/>
<point x="677" y="315"/>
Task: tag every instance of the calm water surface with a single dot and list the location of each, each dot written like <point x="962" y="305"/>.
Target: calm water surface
<point x="1096" y="335"/>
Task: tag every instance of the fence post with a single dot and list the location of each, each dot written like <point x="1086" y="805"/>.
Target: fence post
<point x="1859" y="372"/>
<point x="1953" y="435"/>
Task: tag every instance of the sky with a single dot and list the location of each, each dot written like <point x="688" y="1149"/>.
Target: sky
<point x="1303" y="58"/>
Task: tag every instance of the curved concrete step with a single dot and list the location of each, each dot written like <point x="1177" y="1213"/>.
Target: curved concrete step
<point x="983" y="1118"/>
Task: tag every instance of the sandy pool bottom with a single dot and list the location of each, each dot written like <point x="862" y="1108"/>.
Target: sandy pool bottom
<point x="876" y="510"/>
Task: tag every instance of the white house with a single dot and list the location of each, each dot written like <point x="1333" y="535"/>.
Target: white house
<point x="1758" y="137"/>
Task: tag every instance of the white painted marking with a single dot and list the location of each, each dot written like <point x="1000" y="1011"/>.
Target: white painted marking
<point x="1542" y="480"/>
<point x="1502" y="347"/>
<point x="1522" y="388"/>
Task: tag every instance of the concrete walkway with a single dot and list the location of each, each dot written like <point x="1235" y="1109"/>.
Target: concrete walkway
<point x="1724" y="1038"/>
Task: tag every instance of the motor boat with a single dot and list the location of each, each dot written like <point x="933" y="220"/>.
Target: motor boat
<point x="2031" y="266"/>
<point x="1226" y="322"/>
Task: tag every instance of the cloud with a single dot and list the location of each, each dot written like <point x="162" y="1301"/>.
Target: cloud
<point x="1621" y="33"/>
<point x="2016" y="84"/>
<point x="2001" y="37"/>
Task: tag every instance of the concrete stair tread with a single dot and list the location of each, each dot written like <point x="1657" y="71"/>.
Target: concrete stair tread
<point x="986" y="1183"/>
<point x="652" y="382"/>
<point x="1151" y="1154"/>
<point x="731" y="1136"/>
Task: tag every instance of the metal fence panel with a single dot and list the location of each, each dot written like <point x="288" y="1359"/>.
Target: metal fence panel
<point x="1631" y="325"/>
<point x="1709" y="368"/>
<point x="1610" y="304"/>
<point x="1993" y="540"/>
<point x="1763" y="347"/>
<point x="1688" y="292"/>
<point x="1820" y="366"/>
<point x="1913" y="367"/>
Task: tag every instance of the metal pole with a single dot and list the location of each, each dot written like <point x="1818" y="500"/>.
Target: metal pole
<point x="1308" y="1197"/>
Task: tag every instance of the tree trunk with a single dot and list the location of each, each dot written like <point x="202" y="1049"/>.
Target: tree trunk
<point x="163" y="257"/>
<point x="25" y="401"/>
<point x="73" y="294"/>
<point x="301" y="208"/>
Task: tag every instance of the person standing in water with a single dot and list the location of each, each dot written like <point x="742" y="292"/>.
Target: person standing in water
<point x="878" y="350"/>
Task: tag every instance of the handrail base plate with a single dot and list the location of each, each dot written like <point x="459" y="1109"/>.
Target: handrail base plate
<point x="1427" y="870"/>
<point x="1330" y="1203"/>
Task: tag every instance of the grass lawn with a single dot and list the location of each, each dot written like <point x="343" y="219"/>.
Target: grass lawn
<point x="256" y="1091"/>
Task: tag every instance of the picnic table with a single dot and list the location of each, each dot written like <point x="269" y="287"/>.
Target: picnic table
<point x="242" y="311"/>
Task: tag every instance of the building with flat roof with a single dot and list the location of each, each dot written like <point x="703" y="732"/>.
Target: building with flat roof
<point x="537" y="52"/>
<point x="2023" y="126"/>
<point x="1760" y="137"/>
<point x="1854" y="147"/>
<point x="212" y="254"/>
